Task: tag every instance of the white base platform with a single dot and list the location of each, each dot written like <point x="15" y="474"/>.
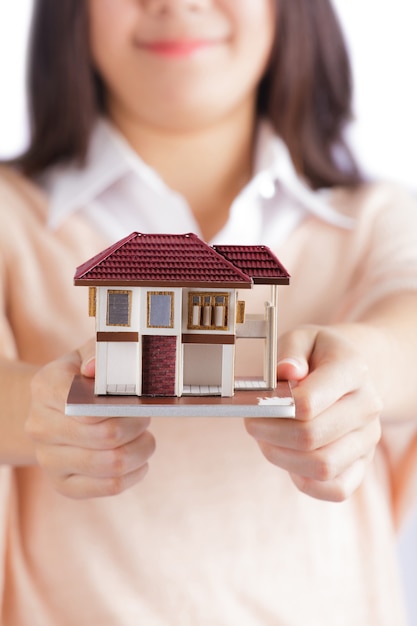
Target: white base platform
<point x="245" y="403"/>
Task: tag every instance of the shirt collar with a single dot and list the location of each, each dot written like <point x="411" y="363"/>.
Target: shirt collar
<point x="110" y="158"/>
<point x="274" y="166"/>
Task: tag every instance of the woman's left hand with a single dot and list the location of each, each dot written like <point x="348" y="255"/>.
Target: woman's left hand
<point x="329" y="445"/>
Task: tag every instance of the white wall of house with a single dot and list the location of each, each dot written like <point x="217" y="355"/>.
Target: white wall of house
<point x="120" y="363"/>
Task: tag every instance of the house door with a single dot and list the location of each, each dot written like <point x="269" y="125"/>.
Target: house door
<point x="159" y="355"/>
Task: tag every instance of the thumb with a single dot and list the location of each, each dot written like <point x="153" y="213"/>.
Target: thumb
<point x="87" y="354"/>
<point x="294" y="350"/>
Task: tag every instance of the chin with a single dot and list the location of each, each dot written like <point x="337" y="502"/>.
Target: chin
<point x="187" y="119"/>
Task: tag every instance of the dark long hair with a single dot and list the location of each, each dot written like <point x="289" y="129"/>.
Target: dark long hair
<point x="306" y="92"/>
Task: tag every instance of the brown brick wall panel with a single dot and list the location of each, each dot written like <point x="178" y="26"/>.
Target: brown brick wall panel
<point x="158" y="365"/>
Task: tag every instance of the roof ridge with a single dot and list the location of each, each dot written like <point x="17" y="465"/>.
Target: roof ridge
<point x="212" y="250"/>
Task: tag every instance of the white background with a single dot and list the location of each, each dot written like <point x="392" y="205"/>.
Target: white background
<point x="382" y="37"/>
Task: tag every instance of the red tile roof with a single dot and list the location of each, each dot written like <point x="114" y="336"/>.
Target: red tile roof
<point x="174" y="260"/>
<point x="163" y="260"/>
<point x="258" y="262"/>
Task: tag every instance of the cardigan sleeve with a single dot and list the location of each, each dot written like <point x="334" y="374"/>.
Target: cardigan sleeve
<point x="8" y="200"/>
<point x="386" y="244"/>
<point x="387" y="264"/>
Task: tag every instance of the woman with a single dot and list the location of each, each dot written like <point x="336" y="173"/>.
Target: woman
<point x="225" y="119"/>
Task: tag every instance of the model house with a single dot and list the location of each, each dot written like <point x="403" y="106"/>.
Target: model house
<point x="169" y="311"/>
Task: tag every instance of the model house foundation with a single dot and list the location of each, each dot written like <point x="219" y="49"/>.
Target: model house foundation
<point x="170" y="310"/>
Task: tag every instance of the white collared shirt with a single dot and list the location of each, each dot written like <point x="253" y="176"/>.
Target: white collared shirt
<point x="119" y="193"/>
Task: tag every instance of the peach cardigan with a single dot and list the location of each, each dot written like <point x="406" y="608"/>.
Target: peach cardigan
<point x="215" y="535"/>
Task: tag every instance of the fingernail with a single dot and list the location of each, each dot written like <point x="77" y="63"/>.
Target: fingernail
<point x="85" y="365"/>
<point x="289" y="361"/>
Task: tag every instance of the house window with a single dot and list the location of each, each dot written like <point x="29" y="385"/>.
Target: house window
<point x="208" y="311"/>
<point x="160" y="309"/>
<point x="119" y="304"/>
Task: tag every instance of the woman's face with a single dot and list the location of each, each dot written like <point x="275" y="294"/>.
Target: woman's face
<point x="180" y="64"/>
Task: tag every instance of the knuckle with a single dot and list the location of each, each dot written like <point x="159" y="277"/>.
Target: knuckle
<point x="116" y="462"/>
<point x="109" y="433"/>
<point x="143" y="422"/>
<point x="251" y="426"/>
<point x="376" y="432"/>
<point x="350" y="480"/>
<point x="149" y="443"/>
<point x="305" y="409"/>
<point x="112" y="486"/>
<point x="63" y="488"/>
<point x="306" y="438"/>
<point x="324" y="468"/>
<point x="340" y="491"/>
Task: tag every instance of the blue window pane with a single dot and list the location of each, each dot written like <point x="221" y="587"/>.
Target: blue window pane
<point x="160" y="310"/>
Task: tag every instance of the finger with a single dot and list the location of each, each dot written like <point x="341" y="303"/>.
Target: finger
<point x="339" y="489"/>
<point x="87" y="354"/>
<point x="64" y="461"/>
<point x="351" y="413"/>
<point x="329" y="462"/>
<point x="96" y="433"/>
<point x="294" y="350"/>
<point x="50" y="385"/>
<point x="333" y="367"/>
<point x="335" y="371"/>
<point x="82" y="487"/>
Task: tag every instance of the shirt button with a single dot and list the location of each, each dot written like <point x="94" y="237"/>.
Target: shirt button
<point x="267" y="189"/>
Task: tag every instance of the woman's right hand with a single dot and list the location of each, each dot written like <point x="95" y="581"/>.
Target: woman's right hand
<point x="85" y="457"/>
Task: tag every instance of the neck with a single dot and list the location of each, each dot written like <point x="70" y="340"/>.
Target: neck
<point x="208" y="166"/>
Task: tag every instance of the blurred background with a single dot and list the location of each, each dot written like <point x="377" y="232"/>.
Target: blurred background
<point x="382" y="38"/>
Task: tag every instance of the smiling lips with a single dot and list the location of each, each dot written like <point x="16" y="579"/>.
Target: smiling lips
<point x="179" y="48"/>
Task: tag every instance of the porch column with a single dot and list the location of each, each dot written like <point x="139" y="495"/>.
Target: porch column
<point x="271" y="340"/>
<point x="228" y="370"/>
